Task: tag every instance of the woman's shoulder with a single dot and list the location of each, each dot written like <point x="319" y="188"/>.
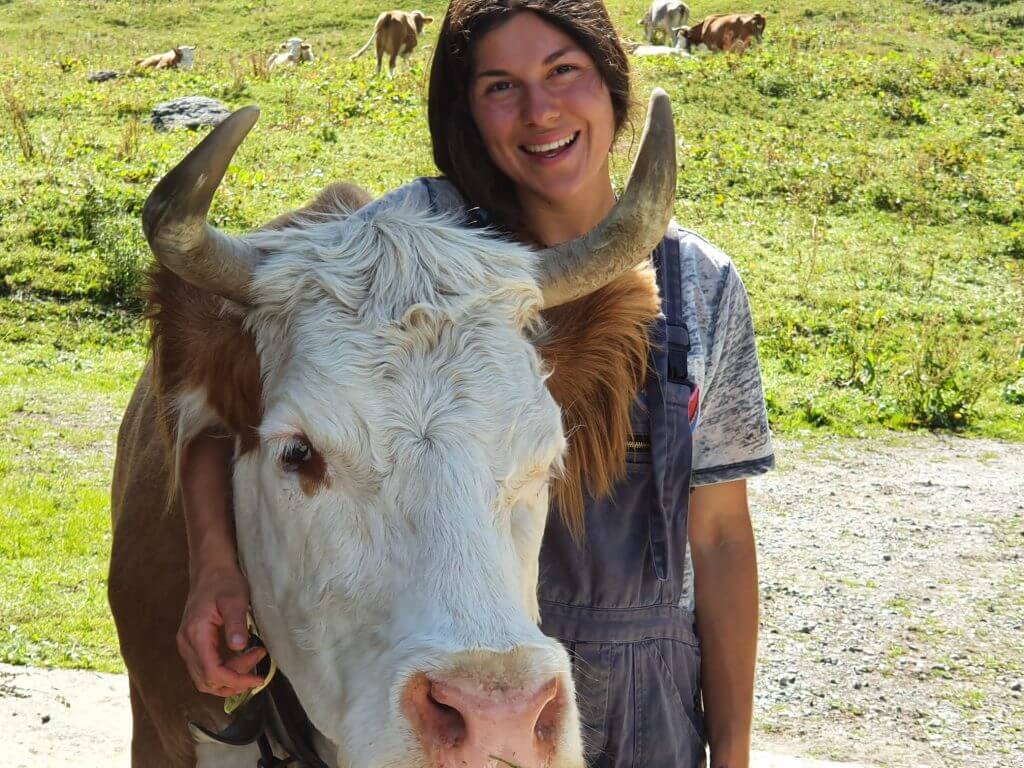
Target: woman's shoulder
<point x="437" y="195"/>
<point x="708" y="263"/>
<point x="708" y="273"/>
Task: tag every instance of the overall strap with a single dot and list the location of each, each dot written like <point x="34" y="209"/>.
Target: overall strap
<point x="670" y="346"/>
<point x="671" y="278"/>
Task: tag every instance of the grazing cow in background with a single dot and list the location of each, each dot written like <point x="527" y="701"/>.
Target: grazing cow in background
<point x="399" y="408"/>
<point x="725" y="32"/>
<point x="396" y="34"/>
<point x="179" y="57"/>
<point x="293" y="51"/>
<point x="663" y="18"/>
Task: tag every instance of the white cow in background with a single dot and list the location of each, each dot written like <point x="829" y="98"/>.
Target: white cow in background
<point x="663" y="18"/>
<point x="293" y="51"/>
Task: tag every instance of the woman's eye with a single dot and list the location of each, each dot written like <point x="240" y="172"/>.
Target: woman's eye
<point x="296" y="453"/>
<point x="561" y="69"/>
<point x="501" y="85"/>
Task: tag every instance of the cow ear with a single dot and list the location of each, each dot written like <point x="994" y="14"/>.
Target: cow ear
<point x="596" y="349"/>
<point x="206" y="369"/>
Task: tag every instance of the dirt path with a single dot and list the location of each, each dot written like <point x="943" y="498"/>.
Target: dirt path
<point x="892" y="586"/>
<point x="892" y="624"/>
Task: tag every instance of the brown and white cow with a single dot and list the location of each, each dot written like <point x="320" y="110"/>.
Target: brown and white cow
<point x="725" y="32"/>
<point x="293" y="51"/>
<point x="396" y="34"/>
<point x="398" y="389"/>
<point x="179" y="57"/>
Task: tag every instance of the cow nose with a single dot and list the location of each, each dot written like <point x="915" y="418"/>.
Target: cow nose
<point x="461" y="722"/>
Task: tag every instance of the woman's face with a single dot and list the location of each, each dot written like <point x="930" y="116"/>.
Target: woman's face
<point x="543" y="110"/>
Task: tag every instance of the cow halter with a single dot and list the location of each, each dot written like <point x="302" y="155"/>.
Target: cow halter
<point x="269" y="711"/>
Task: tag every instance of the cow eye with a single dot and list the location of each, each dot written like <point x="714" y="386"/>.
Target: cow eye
<point x="296" y="453"/>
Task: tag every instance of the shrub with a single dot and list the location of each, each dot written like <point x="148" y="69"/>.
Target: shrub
<point x="938" y="391"/>
<point x="901" y="109"/>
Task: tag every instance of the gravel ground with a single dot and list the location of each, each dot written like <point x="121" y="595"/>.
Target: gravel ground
<point x="892" y="617"/>
<point x="892" y="586"/>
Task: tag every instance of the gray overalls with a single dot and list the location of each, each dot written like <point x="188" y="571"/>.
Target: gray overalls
<point x="614" y="600"/>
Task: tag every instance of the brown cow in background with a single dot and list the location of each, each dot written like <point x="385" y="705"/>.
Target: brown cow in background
<point x="179" y="57"/>
<point x="396" y="33"/>
<point x="724" y="32"/>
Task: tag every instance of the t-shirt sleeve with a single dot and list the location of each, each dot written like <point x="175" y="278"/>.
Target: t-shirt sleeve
<point x="733" y="440"/>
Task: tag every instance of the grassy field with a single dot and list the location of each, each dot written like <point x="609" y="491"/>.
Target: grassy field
<point x="864" y="168"/>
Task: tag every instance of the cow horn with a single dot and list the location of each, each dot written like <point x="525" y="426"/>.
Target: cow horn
<point x="631" y="229"/>
<point x="174" y="216"/>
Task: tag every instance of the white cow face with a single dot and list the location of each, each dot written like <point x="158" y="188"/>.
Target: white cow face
<point x="293" y="46"/>
<point x="390" y="518"/>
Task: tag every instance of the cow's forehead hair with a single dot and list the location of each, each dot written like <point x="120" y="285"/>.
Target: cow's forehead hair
<point x="403" y="293"/>
<point x="368" y="271"/>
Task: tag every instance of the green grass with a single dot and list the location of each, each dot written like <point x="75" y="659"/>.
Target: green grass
<point x="863" y="168"/>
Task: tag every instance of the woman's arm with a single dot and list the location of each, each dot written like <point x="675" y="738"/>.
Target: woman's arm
<point x="725" y="578"/>
<point x="218" y="592"/>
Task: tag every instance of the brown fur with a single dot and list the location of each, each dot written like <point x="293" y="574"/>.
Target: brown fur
<point x="596" y="348"/>
<point x="167" y="60"/>
<point x="726" y="31"/>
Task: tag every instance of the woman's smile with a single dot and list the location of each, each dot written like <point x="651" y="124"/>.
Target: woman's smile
<point x="551" y="151"/>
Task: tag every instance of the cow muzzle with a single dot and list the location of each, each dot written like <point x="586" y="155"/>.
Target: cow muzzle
<point x="469" y="723"/>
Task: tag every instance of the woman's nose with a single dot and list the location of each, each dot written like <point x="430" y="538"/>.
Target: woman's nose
<point x="539" y="107"/>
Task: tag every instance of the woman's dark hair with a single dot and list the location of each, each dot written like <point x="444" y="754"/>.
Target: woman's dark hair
<point x="459" y="150"/>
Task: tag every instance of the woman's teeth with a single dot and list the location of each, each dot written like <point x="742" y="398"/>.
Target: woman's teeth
<point x="537" y="149"/>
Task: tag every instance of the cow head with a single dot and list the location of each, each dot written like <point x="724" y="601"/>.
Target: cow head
<point x="185" y="55"/>
<point x="648" y="26"/>
<point x="395" y="442"/>
<point x="688" y="37"/>
<point x="759" y="25"/>
<point x="420" y="19"/>
<point x="293" y="46"/>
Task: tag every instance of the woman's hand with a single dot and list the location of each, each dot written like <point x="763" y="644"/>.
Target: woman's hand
<point x="214" y="625"/>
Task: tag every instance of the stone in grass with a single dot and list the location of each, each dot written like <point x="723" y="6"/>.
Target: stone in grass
<point x="188" y="112"/>
<point x="103" y="75"/>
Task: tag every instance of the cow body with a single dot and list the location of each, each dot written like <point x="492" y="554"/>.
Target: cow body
<point x="662" y="19"/>
<point x="180" y="57"/>
<point x="733" y="32"/>
<point x="399" y="350"/>
<point x="395" y="34"/>
<point x="293" y="51"/>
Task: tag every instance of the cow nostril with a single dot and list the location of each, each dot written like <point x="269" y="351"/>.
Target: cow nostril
<point x="549" y="721"/>
<point x="445" y="722"/>
<point x="437" y="723"/>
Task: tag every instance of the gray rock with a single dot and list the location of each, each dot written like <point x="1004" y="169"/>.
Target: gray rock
<point x="103" y="75"/>
<point x="188" y="112"/>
